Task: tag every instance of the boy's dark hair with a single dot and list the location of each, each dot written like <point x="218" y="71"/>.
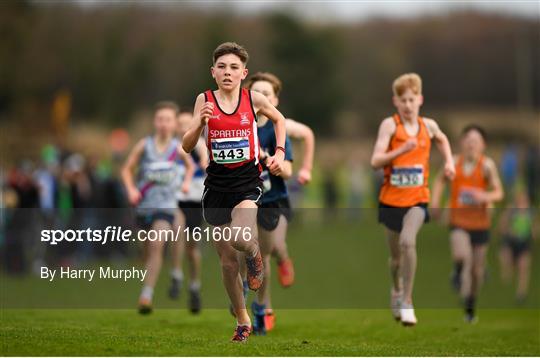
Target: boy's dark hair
<point x="231" y="48"/>
<point x="167" y="105"/>
<point x="267" y="77"/>
<point x="474" y="127"/>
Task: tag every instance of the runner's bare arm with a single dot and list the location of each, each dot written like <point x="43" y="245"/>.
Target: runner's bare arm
<point x="190" y="169"/>
<point x="302" y="132"/>
<point x="438" y="189"/>
<point x="201" y="114"/>
<point x="381" y="156"/>
<point x="443" y="145"/>
<point x="263" y="106"/>
<point x="203" y="153"/>
<point x="286" y="170"/>
<point x="496" y="192"/>
<point x="134" y="196"/>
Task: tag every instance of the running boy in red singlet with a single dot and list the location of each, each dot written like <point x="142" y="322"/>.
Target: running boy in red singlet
<point x="474" y="189"/>
<point x="402" y="148"/>
<point x="233" y="188"/>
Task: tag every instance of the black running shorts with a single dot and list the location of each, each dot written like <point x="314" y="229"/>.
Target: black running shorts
<point x="392" y="217"/>
<point x="217" y="206"/>
<point x="269" y="213"/>
<point x="193" y="212"/>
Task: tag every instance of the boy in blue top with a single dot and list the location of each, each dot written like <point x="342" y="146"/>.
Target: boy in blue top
<point x="274" y="210"/>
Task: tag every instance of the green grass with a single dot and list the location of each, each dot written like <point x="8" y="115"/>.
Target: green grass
<point x="298" y="332"/>
<point x="341" y="263"/>
<point x="338" y="306"/>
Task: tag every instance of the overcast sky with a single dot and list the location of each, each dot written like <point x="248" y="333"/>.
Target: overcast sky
<point x="355" y="10"/>
<point x="349" y="10"/>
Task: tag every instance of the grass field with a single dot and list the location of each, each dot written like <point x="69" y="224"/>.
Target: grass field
<point x="337" y="307"/>
<point x="298" y="332"/>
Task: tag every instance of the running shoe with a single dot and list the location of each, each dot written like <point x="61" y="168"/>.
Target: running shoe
<point x="408" y="318"/>
<point x="255" y="274"/>
<point x="269" y="319"/>
<point x="470" y="318"/>
<point x="194" y="301"/>
<point x="145" y="306"/>
<point x="286" y="272"/>
<point x="258" y="318"/>
<point x="241" y="333"/>
<point x="470" y="311"/>
<point x="174" y="289"/>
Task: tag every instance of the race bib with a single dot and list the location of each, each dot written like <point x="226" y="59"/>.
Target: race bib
<point x="466" y="197"/>
<point x="407" y="177"/>
<point x="161" y="173"/>
<point x="267" y="184"/>
<point x="230" y="150"/>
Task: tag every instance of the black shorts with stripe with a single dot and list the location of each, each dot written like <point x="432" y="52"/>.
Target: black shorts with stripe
<point x="217" y="206"/>
<point x="269" y="213"/>
<point x="193" y="212"/>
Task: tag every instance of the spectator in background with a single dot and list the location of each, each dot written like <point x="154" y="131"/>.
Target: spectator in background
<point x="532" y="173"/>
<point x="46" y="178"/>
<point x="330" y="192"/>
<point x="22" y="224"/>
<point x="516" y="228"/>
<point x="110" y="205"/>
<point x="8" y="202"/>
<point x="357" y="184"/>
<point x="509" y="167"/>
<point x="78" y="171"/>
<point x="21" y="180"/>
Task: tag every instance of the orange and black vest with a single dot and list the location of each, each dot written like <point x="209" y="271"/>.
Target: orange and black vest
<point x="465" y="213"/>
<point x="406" y="177"/>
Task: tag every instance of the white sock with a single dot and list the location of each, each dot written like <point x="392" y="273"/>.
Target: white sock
<point x="195" y="285"/>
<point x="254" y="251"/>
<point x="177" y="274"/>
<point x="147" y="293"/>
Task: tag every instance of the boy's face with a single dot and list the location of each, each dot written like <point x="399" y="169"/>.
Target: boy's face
<point x="165" y="122"/>
<point x="408" y="104"/>
<point x="266" y="88"/>
<point x="472" y="144"/>
<point x="229" y="71"/>
<point x="184" y="122"/>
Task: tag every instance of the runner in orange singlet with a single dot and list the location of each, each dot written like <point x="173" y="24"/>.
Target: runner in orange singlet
<point x="402" y="148"/>
<point x="474" y="189"/>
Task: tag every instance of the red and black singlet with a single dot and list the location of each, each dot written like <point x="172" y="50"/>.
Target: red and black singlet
<point x="233" y="146"/>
